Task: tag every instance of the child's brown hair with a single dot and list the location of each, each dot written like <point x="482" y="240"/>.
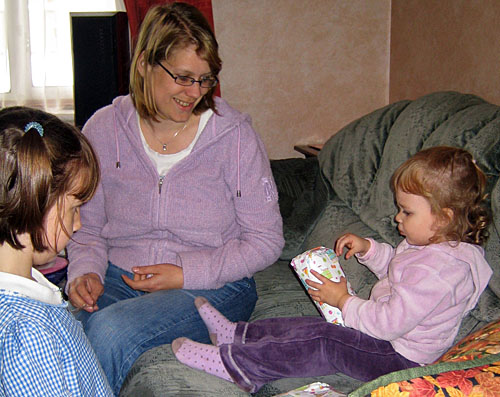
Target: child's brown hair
<point x="42" y="160"/>
<point x="448" y="178"/>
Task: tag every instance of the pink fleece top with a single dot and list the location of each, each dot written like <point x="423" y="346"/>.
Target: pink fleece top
<point x="194" y="217"/>
<point x="422" y="295"/>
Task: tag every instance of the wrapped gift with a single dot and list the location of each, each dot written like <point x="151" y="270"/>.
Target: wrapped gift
<point x="326" y="263"/>
<point x="313" y="389"/>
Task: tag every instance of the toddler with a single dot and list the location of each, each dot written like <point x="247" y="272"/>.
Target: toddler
<point x="427" y="284"/>
<point x="48" y="170"/>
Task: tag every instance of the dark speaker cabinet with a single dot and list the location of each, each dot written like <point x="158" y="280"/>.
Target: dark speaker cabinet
<point x="101" y="60"/>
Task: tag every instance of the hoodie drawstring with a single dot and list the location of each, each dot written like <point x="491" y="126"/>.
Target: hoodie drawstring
<point x="238" y="180"/>
<point x="238" y="186"/>
<point x="118" y="165"/>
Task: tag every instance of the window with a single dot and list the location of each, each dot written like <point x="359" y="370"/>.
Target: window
<point x="35" y="51"/>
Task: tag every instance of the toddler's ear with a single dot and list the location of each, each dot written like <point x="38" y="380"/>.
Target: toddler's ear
<point x="449" y="215"/>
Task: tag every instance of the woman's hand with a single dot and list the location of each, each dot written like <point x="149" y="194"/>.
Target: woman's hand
<point x="333" y="293"/>
<point x="155" y="277"/>
<point x="84" y="291"/>
<point x="354" y="244"/>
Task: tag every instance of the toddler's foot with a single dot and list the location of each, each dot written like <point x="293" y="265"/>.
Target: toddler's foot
<point x="220" y="329"/>
<point x="200" y="356"/>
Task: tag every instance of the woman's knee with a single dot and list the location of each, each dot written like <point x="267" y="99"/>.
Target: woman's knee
<point x="104" y="327"/>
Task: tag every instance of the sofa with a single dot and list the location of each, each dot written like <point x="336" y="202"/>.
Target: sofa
<point x="346" y="188"/>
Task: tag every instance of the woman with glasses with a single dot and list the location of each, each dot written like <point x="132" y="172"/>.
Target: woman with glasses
<point x="187" y="204"/>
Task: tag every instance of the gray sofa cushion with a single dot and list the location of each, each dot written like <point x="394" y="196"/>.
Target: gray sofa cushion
<point x="359" y="160"/>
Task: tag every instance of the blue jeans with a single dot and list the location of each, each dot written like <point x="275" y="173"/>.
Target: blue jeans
<point x="130" y="322"/>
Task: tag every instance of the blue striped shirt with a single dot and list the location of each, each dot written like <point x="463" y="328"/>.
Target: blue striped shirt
<point x="43" y="349"/>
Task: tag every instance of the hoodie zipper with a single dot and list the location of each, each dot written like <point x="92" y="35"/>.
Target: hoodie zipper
<point x="160" y="183"/>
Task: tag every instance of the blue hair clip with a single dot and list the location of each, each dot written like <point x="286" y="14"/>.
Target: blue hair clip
<point x="33" y="124"/>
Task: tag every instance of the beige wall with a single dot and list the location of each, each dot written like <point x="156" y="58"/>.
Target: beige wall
<point x="303" y="68"/>
<point x="445" y="45"/>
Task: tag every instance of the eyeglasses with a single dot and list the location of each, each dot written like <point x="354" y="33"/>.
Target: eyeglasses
<point x="186" y="81"/>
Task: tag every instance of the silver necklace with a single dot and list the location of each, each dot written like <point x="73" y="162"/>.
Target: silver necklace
<point x="164" y="144"/>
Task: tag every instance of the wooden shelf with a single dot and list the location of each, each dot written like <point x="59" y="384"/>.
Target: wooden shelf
<point x="308" y="150"/>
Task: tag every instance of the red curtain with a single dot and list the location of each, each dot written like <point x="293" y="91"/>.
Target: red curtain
<point x="137" y="9"/>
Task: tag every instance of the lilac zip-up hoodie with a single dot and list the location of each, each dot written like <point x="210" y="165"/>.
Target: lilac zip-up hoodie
<point x="421" y="297"/>
<point x="215" y="213"/>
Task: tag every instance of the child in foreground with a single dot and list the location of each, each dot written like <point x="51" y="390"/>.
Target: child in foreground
<point x="426" y="286"/>
<point x="48" y="170"/>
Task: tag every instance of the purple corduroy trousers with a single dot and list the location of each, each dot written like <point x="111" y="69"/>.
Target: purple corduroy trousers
<point x="295" y="347"/>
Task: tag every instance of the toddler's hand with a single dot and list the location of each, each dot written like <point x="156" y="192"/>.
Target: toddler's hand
<point x="354" y="244"/>
<point x="334" y="293"/>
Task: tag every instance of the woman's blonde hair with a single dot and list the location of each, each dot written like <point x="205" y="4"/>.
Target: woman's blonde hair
<point x="168" y="28"/>
<point x="448" y="178"/>
<point x="40" y="166"/>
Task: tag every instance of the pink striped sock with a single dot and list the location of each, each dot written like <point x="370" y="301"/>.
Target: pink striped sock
<point x="200" y="356"/>
<point x="220" y="329"/>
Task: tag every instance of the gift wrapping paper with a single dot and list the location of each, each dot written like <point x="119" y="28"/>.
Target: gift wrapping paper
<point x="316" y="389"/>
<point x="326" y="263"/>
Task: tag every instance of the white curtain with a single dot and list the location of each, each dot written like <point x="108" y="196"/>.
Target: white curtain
<point x="35" y="52"/>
